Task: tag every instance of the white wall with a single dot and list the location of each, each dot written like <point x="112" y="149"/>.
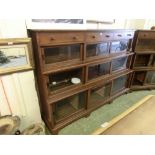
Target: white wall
<point x="125" y="24"/>
<point x="149" y="23"/>
<point x="18" y="95"/>
<point x="135" y="23"/>
<point x="119" y="24"/>
<point x="13" y="28"/>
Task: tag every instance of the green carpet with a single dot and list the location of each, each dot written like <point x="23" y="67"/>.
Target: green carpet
<point x="86" y="126"/>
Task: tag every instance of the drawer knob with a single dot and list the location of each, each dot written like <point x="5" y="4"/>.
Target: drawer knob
<point x="128" y="34"/>
<point x="74" y="37"/>
<point x="52" y="38"/>
<point x="119" y="35"/>
<point x="107" y="36"/>
<point x="93" y="36"/>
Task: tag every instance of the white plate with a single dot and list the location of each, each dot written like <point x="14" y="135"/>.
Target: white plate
<point x="75" y="80"/>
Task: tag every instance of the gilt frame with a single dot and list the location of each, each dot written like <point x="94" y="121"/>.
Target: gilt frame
<point x="16" y="55"/>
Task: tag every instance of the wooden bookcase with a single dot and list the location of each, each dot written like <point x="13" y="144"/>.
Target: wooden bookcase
<point x="79" y="71"/>
<point x="144" y="60"/>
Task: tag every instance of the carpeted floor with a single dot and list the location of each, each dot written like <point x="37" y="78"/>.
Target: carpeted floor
<point x="86" y="126"/>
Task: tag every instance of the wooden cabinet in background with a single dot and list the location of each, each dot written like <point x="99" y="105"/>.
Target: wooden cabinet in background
<point x="79" y="71"/>
<point x="144" y="60"/>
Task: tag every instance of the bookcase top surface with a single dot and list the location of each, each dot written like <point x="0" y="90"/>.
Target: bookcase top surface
<point x="84" y="30"/>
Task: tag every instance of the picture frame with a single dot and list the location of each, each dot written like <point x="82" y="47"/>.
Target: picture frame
<point x="56" y="24"/>
<point x="15" y="55"/>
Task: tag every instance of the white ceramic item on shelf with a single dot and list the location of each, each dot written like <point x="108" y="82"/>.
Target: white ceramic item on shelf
<point x="54" y="83"/>
<point x="75" y="80"/>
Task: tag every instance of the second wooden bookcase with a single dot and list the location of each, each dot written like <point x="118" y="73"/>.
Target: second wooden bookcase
<point x="144" y="60"/>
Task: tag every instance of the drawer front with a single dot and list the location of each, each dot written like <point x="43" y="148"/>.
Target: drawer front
<point x="129" y="35"/>
<point x="146" y="35"/>
<point x="63" y="37"/>
<point x="123" y="35"/>
<point x="98" y="36"/>
<point x="119" y="36"/>
<point x="108" y="36"/>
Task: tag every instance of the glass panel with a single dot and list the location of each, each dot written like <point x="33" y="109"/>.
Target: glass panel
<point x="142" y="60"/>
<point x="97" y="50"/>
<point x="119" y="63"/>
<point x="14" y="56"/>
<point x="145" y="45"/>
<point x="100" y="93"/>
<point x="68" y="106"/>
<point x="139" y="78"/>
<point x="65" y="79"/>
<point x="119" y="83"/>
<point x="98" y="70"/>
<point x="119" y="46"/>
<point x="150" y="78"/>
<point x="62" y="53"/>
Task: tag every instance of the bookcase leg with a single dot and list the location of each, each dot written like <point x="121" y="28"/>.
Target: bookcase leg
<point x="55" y="132"/>
<point x="87" y="115"/>
<point x="109" y="102"/>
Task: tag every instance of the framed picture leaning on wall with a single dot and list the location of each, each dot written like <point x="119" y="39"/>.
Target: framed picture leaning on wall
<point x="15" y="55"/>
<point x="56" y="24"/>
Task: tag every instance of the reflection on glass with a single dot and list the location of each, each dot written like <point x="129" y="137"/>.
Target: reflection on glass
<point x="139" y="78"/>
<point x="13" y="57"/>
<point x="119" y="63"/>
<point x="119" y="83"/>
<point x="68" y="106"/>
<point x="62" y="53"/>
<point x="119" y="46"/>
<point x="142" y="60"/>
<point x="99" y="93"/>
<point x="150" y="78"/>
<point x="64" y="79"/>
<point x="97" y="50"/>
<point x="98" y="70"/>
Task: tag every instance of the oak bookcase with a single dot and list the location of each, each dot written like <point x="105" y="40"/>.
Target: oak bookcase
<point x="79" y="71"/>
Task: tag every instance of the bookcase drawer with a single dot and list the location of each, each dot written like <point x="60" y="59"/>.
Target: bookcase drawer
<point x="129" y="35"/>
<point x="146" y="35"/>
<point x="119" y="35"/>
<point x="98" y="36"/>
<point x="63" y="37"/>
<point x="123" y="35"/>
